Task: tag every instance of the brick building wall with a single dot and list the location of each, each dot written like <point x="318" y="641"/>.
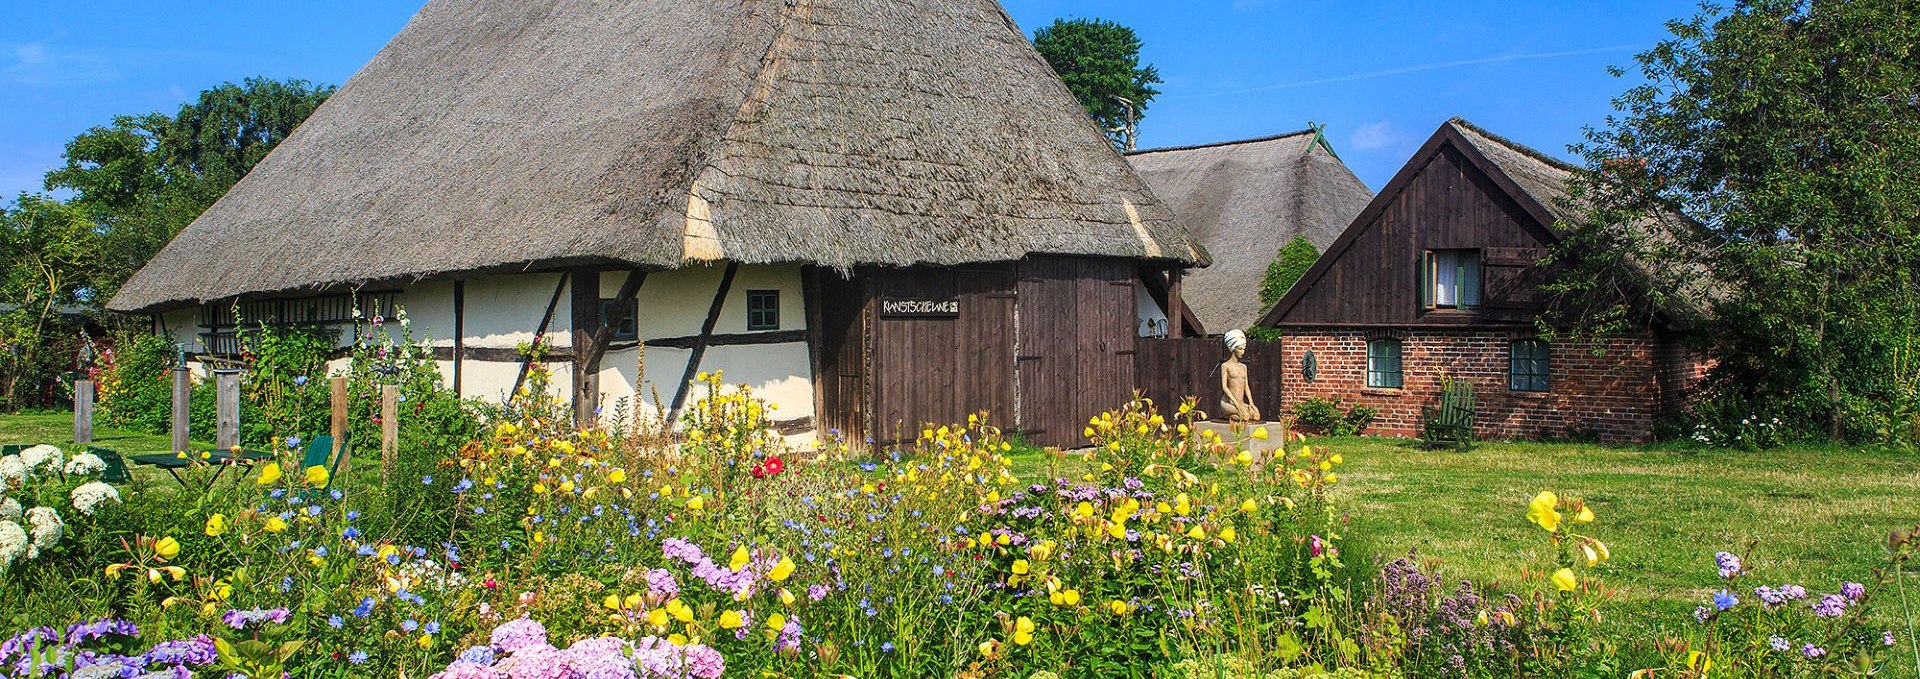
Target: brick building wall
<point x="1606" y="389"/>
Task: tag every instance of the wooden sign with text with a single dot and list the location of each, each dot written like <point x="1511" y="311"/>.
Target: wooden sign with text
<point x="919" y="308"/>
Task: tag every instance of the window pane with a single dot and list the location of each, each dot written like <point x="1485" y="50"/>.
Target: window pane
<point x="1469" y="279"/>
<point x="1446" y="284"/>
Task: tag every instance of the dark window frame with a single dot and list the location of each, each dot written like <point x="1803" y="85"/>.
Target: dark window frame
<point x="1380" y="376"/>
<point x="628" y="330"/>
<point x="1530" y="366"/>
<point x="763" y="310"/>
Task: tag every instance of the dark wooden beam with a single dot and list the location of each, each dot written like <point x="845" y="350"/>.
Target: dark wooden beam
<point x="587" y="358"/>
<point x="540" y="334"/>
<point x="1176" y="307"/>
<point x="700" y="343"/>
<point x="459" y="332"/>
<point x="586" y="325"/>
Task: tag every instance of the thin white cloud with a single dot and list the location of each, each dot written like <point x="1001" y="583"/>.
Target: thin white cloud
<point x="39" y="64"/>
<point x="1375" y="136"/>
<point x="1436" y="66"/>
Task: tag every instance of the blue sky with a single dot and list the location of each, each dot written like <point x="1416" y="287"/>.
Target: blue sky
<point x="1380" y="75"/>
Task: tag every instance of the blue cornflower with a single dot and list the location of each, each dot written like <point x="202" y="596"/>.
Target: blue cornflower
<point x="886" y="647"/>
<point x="433" y="628"/>
<point x="1724" y="600"/>
<point x="336" y="622"/>
<point x="353" y="515"/>
<point x="300" y="381"/>
<point x="410" y="625"/>
<point x="426" y="480"/>
<point x="293" y="442"/>
<point x="314" y="510"/>
<point x="358" y="657"/>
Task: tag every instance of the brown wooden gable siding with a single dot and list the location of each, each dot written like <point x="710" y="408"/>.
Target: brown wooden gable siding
<point x="939" y="370"/>
<point x="1443" y="199"/>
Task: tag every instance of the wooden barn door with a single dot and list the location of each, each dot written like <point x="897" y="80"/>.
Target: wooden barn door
<point x="842" y="307"/>
<point x="1076" y="344"/>
<point x="934" y="367"/>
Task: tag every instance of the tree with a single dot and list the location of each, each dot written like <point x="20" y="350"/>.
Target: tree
<point x="48" y="255"/>
<point x="1288" y="266"/>
<point x="145" y="177"/>
<point x="1100" y="62"/>
<point x="1787" y="134"/>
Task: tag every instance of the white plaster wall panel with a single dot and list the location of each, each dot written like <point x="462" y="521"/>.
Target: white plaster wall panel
<point x="1150" y="319"/>
<point x="429" y="308"/>
<point x="505" y="311"/>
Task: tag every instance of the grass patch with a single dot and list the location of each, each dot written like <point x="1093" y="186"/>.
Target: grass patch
<point x="56" y="428"/>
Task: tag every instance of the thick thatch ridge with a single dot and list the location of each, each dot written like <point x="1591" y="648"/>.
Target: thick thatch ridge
<point x="514" y="135"/>
<point x="1244" y="201"/>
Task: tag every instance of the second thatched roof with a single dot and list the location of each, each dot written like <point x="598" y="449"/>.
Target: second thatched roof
<point x="1244" y="201"/>
<point x="516" y="135"/>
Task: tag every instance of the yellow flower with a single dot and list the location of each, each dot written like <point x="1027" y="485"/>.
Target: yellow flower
<point x="1565" y="580"/>
<point x="1070" y="597"/>
<point x="216" y="525"/>
<point x="318" y="477"/>
<point x="989" y="648"/>
<point x="739" y="559"/>
<point x="1227" y="534"/>
<point x="1083" y="510"/>
<point x="634" y="600"/>
<point x="786" y="597"/>
<point x="782" y="570"/>
<point x="1697" y="660"/>
<point x="276" y="524"/>
<point x="167" y="548"/>
<point x="617" y="476"/>
<point x="1197" y="533"/>
<point x="696" y="503"/>
<point x="1260" y="433"/>
<point x="1183" y="504"/>
<point x="1118" y="607"/>
<point x="269" y="474"/>
<point x="426" y="641"/>
<point x="1541" y="510"/>
<point x="506" y="429"/>
<point x="679" y="610"/>
<point x="612" y="602"/>
<point x="1245" y="457"/>
<point x="657" y="617"/>
<point x="1023" y="631"/>
<point x="1248" y="506"/>
<point x="732" y="620"/>
<point x="1585" y="515"/>
<point x="775" y="623"/>
<point x="1020" y="567"/>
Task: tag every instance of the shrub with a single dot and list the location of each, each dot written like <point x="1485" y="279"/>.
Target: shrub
<point x="1288" y="266"/>
<point x="135" y="389"/>
<point x="1326" y="417"/>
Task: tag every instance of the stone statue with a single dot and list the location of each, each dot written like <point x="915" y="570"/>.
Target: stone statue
<point x="1236" y="397"/>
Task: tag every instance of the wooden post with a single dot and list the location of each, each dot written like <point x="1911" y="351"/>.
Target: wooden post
<point x="586" y="325"/>
<point x="227" y="408"/>
<point x="389" y="431"/>
<point x="83" y="411"/>
<point x="1176" y="307"/>
<point x="459" y="334"/>
<point x="182" y="393"/>
<point x="337" y="405"/>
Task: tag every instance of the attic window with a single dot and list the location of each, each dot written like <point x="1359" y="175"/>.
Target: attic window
<point x="763" y="309"/>
<point x="1452" y="279"/>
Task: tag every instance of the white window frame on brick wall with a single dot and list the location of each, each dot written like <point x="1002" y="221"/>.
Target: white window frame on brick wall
<point x="1379" y="352"/>
<point x="1530" y="366"/>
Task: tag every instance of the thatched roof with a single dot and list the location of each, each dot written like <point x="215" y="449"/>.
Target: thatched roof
<point x="515" y="135"/>
<point x="1244" y="201"/>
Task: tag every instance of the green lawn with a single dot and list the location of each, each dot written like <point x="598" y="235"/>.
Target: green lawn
<point x="1819" y="515"/>
<point x="57" y="429"/>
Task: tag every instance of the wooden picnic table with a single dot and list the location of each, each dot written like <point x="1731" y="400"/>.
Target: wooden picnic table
<point x="174" y="462"/>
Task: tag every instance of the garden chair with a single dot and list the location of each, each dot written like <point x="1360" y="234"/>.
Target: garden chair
<point x="318" y="451"/>
<point x="11" y="449"/>
<point x="116" y="471"/>
<point x="1451" y="422"/>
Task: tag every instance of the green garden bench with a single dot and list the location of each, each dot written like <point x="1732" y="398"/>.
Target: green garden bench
<point x="116" y="471"/>
<point x="1449" y="424"/>
<point x="12" y="449"/>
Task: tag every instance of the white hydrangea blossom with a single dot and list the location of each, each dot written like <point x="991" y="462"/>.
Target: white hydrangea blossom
<point x="46" y="529"/>
<point x="13" y="472"/>
<point x="88" y="496"/>
<point x="13" y="544"/>
<point x="85" y="464"/>
<point x="42" y="457"/>
<point x="10" y="509"/>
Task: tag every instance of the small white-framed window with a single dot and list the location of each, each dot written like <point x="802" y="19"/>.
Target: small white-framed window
<point x="1530" y="366"/>
<point x="1384" y="369"/>
<point x="1452" y="279"/>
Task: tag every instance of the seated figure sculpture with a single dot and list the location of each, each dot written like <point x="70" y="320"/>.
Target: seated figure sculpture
<point x="1236" y="397"/>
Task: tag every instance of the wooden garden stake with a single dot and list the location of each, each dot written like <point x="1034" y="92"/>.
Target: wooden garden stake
<point x="227" y="408"/>
<point x="337" y="407"/>
<point x="83" y="411"/>
<point x="182" y="393"/>
<point x="389" y="431"/>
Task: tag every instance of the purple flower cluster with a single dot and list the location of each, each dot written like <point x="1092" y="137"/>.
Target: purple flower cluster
<point x="661" y="585"/>
<point x="1830" y="606"/>
<point x="166" y="659"/>
<point x="1729" y="564"/>
<point x="239" y="619"/>
<point x="722" y="579"/>
<point x="1779" y="597"/>
<point x="1445" y="633"/>
<point x="520" y="651"/>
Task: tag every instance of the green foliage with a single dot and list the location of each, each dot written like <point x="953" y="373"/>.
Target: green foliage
<point x="1327" y="417"/>
<point x="48" y="260"/>
<point x="1786" y="133"/>
<point x="144" y="177"/>
<point x="1099" y="60"/>
<point x="135" y="389"/>
<point x="1288" y="266"/>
